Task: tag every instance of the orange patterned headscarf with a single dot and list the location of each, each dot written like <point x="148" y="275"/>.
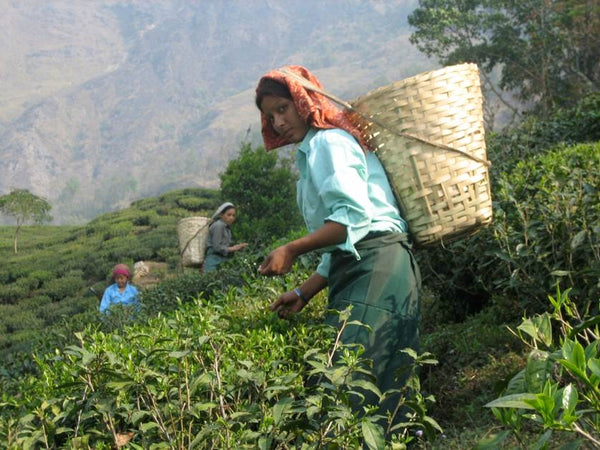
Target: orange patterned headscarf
<point x="313" y="107"/>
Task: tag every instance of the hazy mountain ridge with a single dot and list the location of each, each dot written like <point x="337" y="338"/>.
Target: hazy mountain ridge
<point x="170" y="98"/>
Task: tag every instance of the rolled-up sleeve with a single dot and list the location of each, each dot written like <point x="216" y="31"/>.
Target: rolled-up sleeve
<point x="338" y="167"/>
<point x="324" y="265"/>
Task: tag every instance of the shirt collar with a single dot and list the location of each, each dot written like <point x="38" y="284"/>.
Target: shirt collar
<point x="304" y="147"/>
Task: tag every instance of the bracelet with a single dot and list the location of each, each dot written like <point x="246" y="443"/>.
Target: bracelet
<point x="301" y="295"/>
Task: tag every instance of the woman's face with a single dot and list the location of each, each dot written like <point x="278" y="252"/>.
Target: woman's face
<point x="228" y="216"/>
<point x="284" y="117"/>
<point x="121" y="280"/>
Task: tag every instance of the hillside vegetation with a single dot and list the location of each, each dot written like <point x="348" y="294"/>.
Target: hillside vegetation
<point x="51" y="276"/>
<point x="206" y="365"/>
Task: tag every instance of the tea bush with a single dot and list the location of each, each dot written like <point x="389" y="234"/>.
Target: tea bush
<point x="162" y="222"/>
<point x="544" y="231"/>
<point x="195" y="204"/>
<point x="62" y="262"/>
<point x="568" y="126"/>
<point x="61" y="288"/>
<point x="159" y="239"/>
<point x="11" y="293"/>
<point x="143" y="219"/>
<point x="119" y="229"/>
<point x="41" y="276"/>
<point x="547" y="224"/>
<point x="30" y="283"/>
<point x="92" y="267"/>
<point x="13" y="272"/>
<point x="558" y="391"/>
<point x="210" y="374"/>
<point x="19" y="320"/>
<point x="39" y="301"/>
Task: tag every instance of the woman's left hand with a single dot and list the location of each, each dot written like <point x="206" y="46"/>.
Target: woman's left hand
<point x="278" y="262"/>
<point x="287" y="304"/>
<point x="237" y="247"/>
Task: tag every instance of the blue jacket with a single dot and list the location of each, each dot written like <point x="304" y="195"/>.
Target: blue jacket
<point x="112" y="296"/>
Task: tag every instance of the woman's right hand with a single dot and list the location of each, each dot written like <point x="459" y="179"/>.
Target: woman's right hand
<point x="294" y="301"/>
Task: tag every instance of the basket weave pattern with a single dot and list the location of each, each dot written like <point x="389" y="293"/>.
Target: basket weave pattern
<point x="433" y="149"/>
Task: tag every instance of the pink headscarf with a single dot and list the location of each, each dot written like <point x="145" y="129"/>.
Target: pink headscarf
<point x="313" y="107"/>
<point x="121" y="269"/>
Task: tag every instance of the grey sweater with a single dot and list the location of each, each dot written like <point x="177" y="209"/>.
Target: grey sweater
<point x="219" y="238"/>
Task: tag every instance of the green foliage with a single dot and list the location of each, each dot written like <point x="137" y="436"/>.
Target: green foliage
<point x="25" y="207"/>
<point x="60" y="263"/>
<point x="10" y="293"/>
<point x="474" y="354"/>
<point x="536" y="135"/>
<point x="118" y="230"/>
<point x="41" y="277"/>
<point x="559" y="388"/>
<point x="195" y="204"/>
<point x="546" y="51"/>
<point x="546" y="212"/>
<point x="225" y="372"/>
<point x="547" y="219"/>
<point x="60" y="288"/>
<point x="204" y="362"/>
<point x="263" y="188"/>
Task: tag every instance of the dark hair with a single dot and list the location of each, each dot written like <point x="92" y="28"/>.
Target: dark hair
<point x="269" y="86"/>
<point x="226" y="209"/>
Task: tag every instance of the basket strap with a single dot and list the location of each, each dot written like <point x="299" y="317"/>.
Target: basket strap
<point x="307" y="84"/>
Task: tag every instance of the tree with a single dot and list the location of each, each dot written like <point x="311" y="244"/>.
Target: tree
<point x="548" y="51"/>
<point x="25" y="207"/>
<point x="263" y="188"/>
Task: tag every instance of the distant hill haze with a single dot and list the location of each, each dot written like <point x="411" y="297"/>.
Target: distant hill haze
<point x="104" y="102"/>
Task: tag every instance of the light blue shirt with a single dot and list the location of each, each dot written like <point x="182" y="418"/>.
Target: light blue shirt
<point x="339" y="182"/>
<point x="112" y="296"/>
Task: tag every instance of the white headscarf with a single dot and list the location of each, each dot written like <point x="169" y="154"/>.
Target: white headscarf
<point x="220" y="210"/>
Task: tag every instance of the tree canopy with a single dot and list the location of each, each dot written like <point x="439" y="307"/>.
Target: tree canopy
<point x="263" y="188"/>
<point x="548" y="52"/>
<point x="25" y="207"/>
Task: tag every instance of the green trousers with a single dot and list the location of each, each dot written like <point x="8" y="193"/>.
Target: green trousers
<point x="383" y="289"/>
<point x="212" y="261"/>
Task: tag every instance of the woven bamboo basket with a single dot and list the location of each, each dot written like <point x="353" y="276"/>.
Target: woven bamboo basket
<point x="428" y="132"/>
<point x="192" y="233"/>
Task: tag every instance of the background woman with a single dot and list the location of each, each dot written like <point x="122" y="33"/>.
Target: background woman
<point x="352" y="217"/>
<point x="121" y="292"/>
<point x="218" y="243"/>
